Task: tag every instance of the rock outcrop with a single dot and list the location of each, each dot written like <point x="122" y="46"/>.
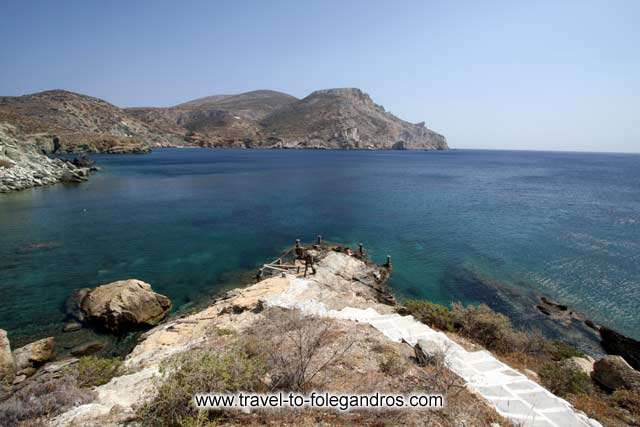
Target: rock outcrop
<point x="614" y="373"/>
<point x="119" y="306"/>
<point x="7" y="366"/>
<point x="618" y="344"/>
<point x="22" y="166"/>
<point x="30" y="357"/>
<point x="580" y="364"/>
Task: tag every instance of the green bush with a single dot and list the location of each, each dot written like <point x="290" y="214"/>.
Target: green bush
<point x="564" y="380"/>
<point x="490" y="329"/>
<point x="94" y="371"/>
<point x="435" y="315"/>
<point x="562" y="351"/>
<point x="200" y="371"/>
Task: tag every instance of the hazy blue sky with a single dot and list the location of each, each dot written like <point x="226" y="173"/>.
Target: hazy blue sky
<point x="557" y="75"/>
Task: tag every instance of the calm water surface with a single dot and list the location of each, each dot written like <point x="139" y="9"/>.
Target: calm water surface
<point x="188" y="221"/>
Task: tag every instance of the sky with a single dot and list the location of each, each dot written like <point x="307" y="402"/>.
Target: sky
<point x="544" y="75"/>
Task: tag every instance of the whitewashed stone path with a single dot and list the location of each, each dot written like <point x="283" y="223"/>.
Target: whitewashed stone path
<point x="511" y="393"/>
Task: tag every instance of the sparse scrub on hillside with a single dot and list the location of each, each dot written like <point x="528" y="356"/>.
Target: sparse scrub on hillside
<point x="298" y="349"/>
<point x="432" y="314"/>
<point x="226" y="370"/>
<point x="43" y="398"/>
<point x="93" y="371"/>
<point x="564" y="380"/>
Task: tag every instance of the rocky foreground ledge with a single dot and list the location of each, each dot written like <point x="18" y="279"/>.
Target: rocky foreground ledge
<point x="319" y="319"/>
<point x="23" y="166"/>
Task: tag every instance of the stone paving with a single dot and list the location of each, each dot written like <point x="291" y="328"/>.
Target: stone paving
<point x="511" y="393"/>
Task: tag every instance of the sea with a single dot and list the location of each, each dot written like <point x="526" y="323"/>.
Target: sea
<point x="469" y="226"/>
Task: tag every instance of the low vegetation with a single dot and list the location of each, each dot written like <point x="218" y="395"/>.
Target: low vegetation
<point x="289" y="352"/>
<point x="529" y="350"/>
<point x="93" y="371"/>
<point x="200" y="371"/>
<point x="43" y="399"/>
<point x="564" y="380"/>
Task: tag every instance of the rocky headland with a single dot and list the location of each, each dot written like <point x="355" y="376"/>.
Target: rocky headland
<point x="23" y="164"/>
<point x="327" y="308"/>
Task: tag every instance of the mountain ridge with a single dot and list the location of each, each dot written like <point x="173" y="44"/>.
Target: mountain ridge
<point x="340" y="118"/>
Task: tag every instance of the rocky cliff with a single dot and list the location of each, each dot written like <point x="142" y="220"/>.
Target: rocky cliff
<point x="345" y="118"/>
<point x="22" y="164"/>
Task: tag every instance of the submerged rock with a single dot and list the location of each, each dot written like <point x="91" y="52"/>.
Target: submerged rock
<point x="120" y="306"/>
<point x="33" y="355"/>
<point x="7" y="366"/>
<point x="614" y="373"/>
<point x="72" y="326"/>
<point x="87" y="349"/>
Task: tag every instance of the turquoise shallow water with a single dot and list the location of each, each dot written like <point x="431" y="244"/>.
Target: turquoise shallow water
<point x="188" y="221"/>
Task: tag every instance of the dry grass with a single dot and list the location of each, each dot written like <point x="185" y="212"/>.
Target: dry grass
<point x="622" y="408"/>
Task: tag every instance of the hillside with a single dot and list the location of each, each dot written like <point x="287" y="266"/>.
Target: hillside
<point x="79" y="123"/>
<point x="346" y="118"/>
<point x="216" y="121"/>
<point x="333" y="118"/>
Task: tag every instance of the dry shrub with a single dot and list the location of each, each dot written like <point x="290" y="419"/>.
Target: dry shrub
<point x="200" y="371"/>
<point x="564" y="380"/>
<point x="606" y="409"/>
<point x="39" y="398"/>
<point x="629" y="400"/>
<point x="297" y="349"/>
<point x="392" y="364"/>
<point x="494" y="330"/>
<point x="434" y="315"/>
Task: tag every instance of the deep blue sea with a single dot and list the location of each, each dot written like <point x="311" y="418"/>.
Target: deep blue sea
<point x="191" y="221"/>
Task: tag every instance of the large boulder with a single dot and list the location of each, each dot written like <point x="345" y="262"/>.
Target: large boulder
<point x="120" y="306"/>
<point x="33" y="355"/>
<point x="7" y="366"/>
<point x="580" y="364"/>
<point x="614" y="373"/>
<point x="618" y="344"/>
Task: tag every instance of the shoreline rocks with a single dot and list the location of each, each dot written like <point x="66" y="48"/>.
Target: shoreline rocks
<point x="614" y="373"/>
<point x="7" y="365"/>
<point x="616" y="343"/>
<point x="30" y="357"/>
<point x="119" y="306"/>
<point x="22" y="166"/>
